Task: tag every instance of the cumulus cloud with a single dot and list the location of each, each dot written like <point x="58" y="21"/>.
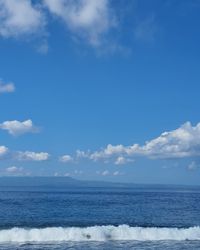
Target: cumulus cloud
<point x="108" y="152"/>
<point x="3" y="151"/>
<point x="20" y="17"/>
<point x="24" y="155"/>
<point x="121" y="160"/>
<point x="6" y="87"/>
<point x="82" y="154"/>
<point x="89" y="19"/>
<point x="179" y="143"/>
<point x="17" y="128"/>
<point x="66" y="159"/>
<point x="32" y="156"/>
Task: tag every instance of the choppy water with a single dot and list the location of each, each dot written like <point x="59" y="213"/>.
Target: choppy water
<point x="99" y="218"/>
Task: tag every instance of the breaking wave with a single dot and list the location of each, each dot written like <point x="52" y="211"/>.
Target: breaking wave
<point x="98" y="233"/>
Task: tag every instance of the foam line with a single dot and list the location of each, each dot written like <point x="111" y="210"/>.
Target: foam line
<point x="98" y="233"/>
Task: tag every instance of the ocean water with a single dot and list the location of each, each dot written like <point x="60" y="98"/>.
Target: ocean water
<point x="99" y="218"/>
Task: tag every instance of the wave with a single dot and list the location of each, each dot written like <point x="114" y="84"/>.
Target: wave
<point x="98" y="233"/>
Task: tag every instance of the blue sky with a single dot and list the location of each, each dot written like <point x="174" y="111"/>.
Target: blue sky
<point x="89" y="87"/>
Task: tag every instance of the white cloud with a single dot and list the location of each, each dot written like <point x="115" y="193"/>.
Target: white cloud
<point x="25" y="156"/>
<point x="117" y="173"/>
<point x="20" y="17"/>
<point x="103" y="173"/>
<point x="192" y="166"/>
<point x="14" y="169"/>
<point x="6" y="87"/>
<point x="89" y="19"/>
<point x="3" y="151"/>
<point x="107" y="172"/>
<point x="32" y="156"/>
<point x="122" y="160"/>
<point x="82" y="154"/>
<point x="108" y="152"/>
<point x="56" y="174"/>
<point x="43" y="48"/>
<point x="78" y="172"/>
<point x="66" y="159"/>
<point x="86" y="20"/>
<point x="17" y="128"/>
<point x="178" y="143"/>
<point x="146" y="29"/>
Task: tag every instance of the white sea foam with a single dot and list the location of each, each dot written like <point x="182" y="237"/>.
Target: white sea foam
<point x="98" y="233"/>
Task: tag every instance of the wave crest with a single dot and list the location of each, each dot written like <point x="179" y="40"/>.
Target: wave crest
<point x="98" y="233"/>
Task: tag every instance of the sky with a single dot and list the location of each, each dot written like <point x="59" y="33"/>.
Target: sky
<point x="100" y="90"/>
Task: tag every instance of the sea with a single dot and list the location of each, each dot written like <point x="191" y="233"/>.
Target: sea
<point x="51" y="217"/>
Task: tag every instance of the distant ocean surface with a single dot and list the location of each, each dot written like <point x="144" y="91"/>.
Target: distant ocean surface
<point x="72" y="217"/>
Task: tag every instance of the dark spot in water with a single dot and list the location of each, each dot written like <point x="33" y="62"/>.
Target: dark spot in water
<point x="88" y="236"/>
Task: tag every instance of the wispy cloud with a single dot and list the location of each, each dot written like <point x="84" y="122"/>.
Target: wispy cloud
<point x="90" y="22"/>
<point x="192" y="166"/>
<point x="17" y="128"/>
<point x="19" y="18"/>
<point x="108" y="173"/>
<point x="93" y="22"/>
<point x="8" y="87"/>
<point x="43" y="48"/>
<point x="103" y="173"/>
<point x="78" y="172"/>
<point x="146" y="29"/>
<point x="87" y="19"/>
<point x="117" y="173"/>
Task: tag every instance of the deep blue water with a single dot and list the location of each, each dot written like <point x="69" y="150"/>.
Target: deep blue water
<point x="99" y="218"/>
